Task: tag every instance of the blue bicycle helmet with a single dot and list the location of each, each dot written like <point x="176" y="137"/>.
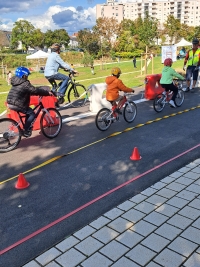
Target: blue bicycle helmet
<point x="21" y="71"/>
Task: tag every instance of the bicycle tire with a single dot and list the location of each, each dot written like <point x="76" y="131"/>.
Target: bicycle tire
<point x="76" y="96"/>
<point x="159" y="103"/>
<point x="130" y="111"/>
<point x="102" y="122"/>
<point x="179" y="98"/>
<point x="49" y="129"/>
<point x="10" y="134"/>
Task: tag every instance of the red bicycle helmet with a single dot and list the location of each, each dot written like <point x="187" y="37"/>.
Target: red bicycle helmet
<point x="168" y="62"/>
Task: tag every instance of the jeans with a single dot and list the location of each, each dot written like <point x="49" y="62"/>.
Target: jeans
<point x="64" y="78"/>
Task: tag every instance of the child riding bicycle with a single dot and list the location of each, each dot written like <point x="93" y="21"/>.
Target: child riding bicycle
<point x="114" y="85"/>
<point x="18" y="98"/>
<point x="166" y="80"/>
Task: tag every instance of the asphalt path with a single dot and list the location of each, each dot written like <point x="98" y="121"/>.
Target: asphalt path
<point x="93" y="175"/>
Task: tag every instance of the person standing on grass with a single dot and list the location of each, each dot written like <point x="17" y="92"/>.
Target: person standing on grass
<point x="9" y="76"/>
<point x="134" y="62"/>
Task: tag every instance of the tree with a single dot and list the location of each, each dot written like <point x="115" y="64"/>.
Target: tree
<point x="57" y="36"/>
<point x="88" y="40"/>
<point x="23" y="31"/>
<point x="38" y="39"/>
<point x="172" y="28"/>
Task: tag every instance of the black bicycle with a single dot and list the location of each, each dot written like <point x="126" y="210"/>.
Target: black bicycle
<point x="11" y="130"/>
<point x="77" y="93"/>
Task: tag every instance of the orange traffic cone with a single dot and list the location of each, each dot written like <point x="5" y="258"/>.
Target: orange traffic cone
<point x="135" y="155"/>
<point x="21" y="182"/>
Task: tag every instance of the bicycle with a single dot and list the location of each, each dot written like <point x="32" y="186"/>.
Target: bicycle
<point x="164" y="98"/>
<point x="105" y="117"/>
<point x="77" y="93"/>
<point x="12" y="130"/>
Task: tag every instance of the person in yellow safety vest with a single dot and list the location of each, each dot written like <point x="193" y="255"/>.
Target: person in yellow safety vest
<point x="192" y="59"/>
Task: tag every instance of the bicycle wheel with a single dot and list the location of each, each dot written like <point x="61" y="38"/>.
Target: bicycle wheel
<point x="179" y="98"/>
<point x="77" y="95"/>
<point x="130" y="111"/>
<point x="51" y="123"/>
<point x="9" y="134"/>
<point x="159" y="103"/>
<point x="103" y="119"/>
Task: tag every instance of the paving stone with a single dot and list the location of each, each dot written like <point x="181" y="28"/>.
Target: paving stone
<point x="190" y="212"/>
<point x="167" y="193"/>
<point x="176" y="174"/>
<point x="177" y="202"/>
<point x="105" y="234"/>
<point x="158" y="185"/>
<point x="32" y="264"/>
<point x="127" y="205"/>
<point x="183" y="246"/>
<point x="176" y="186"/>
<point x="152" y="264"/>
<point x="89" y="245"/>
<point x="168" y="231"/>
<point x="191" y="165"/>
<point x="198" y="250"/>
<point x="184" y="170"/>
<point x="67" y="243"/>
<point x="184" y="180"/>
<point x="84" y="232"/>
<point x="193" y="261"/>
<point x="196" y="161"/>
<point x="192" y="234"/>
<point x="70" y="258"/>
<point x="100" y="222"/>
<point x="194" y="188"/>
<point x="188" y="195"/>
<point x="197" y="223"/>
<point x="179" y="221"/>
<point x="129" y="238"/>
<point x="120" y="225"/>
<point x="114" y="213"/>
<point x="145" y="207"/>
<point x="133" y="215"/>
<point x="138" y="198"/>
<point x="168" y="258"/>
<point x="168" y="179"/>
<point x="197" y="182"/>
<point x="97" y="260"/>
<point x="156" y="218"/>
<point x="124" y="262"/>
<point x="149" y="191"/>
<point x="156" y="200"/>
<point x="155" y="242"/>
<point x="143" y="228"/>
<point x="141" y="255"/>
<point x="52" y="264"/>
<point x="196" y="170"/>
<point x="114" y="250"/>
<point x="48" y="256"/>
<point x="191" y="175"/>
<point x="167" y="210"/>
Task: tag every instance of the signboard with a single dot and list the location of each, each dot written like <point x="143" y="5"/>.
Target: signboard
<point x="169" y="51"/>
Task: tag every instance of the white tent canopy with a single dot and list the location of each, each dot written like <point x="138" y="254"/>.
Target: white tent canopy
<point x="37" y="55"/>
<point x="183" y="42"/>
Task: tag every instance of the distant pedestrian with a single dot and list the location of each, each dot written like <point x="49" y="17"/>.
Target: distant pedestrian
<point x="134" y="62"/>
<point x="92" y="70"/>
<point x="9" y="76"/>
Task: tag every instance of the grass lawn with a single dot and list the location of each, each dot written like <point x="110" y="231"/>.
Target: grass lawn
<point x="130" y="76"/>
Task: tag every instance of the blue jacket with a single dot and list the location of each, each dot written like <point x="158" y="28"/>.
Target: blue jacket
<point x="54" y="62"/>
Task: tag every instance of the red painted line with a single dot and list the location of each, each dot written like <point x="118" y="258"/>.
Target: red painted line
<point x="92" y="202"/>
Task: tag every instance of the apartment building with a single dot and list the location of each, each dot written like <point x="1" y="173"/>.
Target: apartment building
<point x="187" y="11"/>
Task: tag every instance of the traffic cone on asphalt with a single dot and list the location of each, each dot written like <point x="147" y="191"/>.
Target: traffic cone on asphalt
<point x="21" y="182"/>
<point x="135" y="155"/>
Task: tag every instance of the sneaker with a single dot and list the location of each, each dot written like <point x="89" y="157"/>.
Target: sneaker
<point x="27" y="133"/>
<point x="186" y="89"/>
<point x="164" y="93"/>
<point x="171" y="102"/>
<point x="118" y="111"/>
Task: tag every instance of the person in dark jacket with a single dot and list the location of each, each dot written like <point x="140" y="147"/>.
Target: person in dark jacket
<point x="18" y="98"/>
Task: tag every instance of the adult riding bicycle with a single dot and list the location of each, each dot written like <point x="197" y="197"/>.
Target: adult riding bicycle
<point x="162" y="99"/>
<point x="12" y="130"/>
<point x="106" y="116"/>
<point x="77" y="93"/>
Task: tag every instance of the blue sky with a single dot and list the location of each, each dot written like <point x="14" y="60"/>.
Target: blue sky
<point x="71" y="15"/>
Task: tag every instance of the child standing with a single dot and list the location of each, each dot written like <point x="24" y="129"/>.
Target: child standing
<point x="9" y="76"/>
